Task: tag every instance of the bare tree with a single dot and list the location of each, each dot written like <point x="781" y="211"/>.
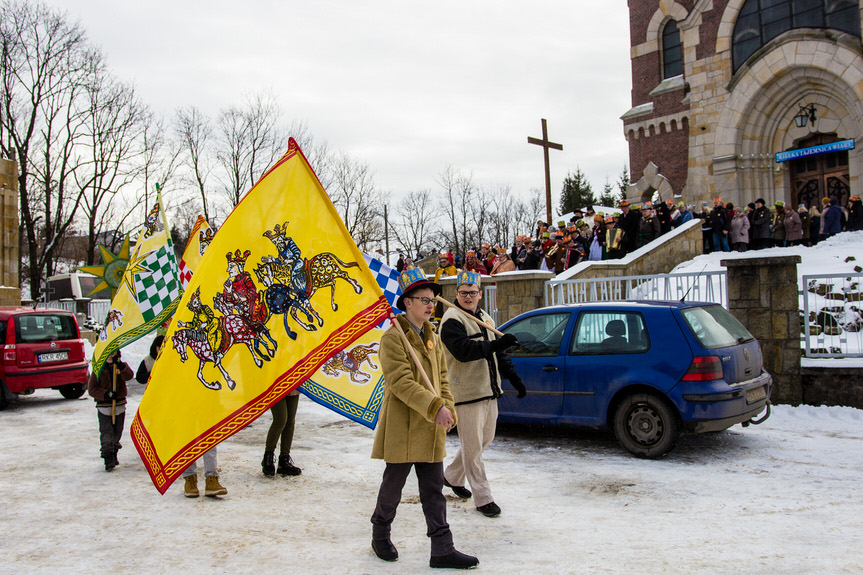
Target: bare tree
<point x="249" y="141"/>
<point x="457" y="206"/>
<point x="194" y="132"/>
<point x="114" y="143"/>
<point x="47" y="64"/>
<point x="501" y="215"/>
<point x="417" y="217"/>
<point x="357" y="199"/>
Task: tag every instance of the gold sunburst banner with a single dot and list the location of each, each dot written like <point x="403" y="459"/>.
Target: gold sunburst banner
<point x="281" y="289"/>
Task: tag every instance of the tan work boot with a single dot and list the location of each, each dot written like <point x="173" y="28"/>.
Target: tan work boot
<point x="191" y="488"/>
<point x="212" y="487"/>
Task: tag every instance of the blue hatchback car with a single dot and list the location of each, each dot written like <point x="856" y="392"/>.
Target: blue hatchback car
<point x="646" y="370"/>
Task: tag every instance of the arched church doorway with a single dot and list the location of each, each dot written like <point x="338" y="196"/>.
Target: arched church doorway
<point x="821" y="176"/>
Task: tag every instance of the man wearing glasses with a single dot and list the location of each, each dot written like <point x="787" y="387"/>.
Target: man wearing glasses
<point x="475" y="360"/>
<point x="413" y="424"/>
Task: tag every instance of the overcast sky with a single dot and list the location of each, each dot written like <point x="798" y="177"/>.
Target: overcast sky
<point x="408" y="87"/>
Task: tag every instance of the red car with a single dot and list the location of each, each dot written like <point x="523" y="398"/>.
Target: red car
<point x="43" y="348"/>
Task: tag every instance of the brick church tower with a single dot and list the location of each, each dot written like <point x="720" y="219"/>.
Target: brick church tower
<point x="745" y="99"/>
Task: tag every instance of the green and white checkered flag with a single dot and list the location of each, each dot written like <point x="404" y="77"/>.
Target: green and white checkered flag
<point x="157" y="289"/>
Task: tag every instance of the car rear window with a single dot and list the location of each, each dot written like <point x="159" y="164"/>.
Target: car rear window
<point x="610" y="332"/>
<point x="35" y="328"/>
<point x="714" y="327"/>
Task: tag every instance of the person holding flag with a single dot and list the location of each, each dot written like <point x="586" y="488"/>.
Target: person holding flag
<point x="109" y="391"/>
<point x="417" y="412"/>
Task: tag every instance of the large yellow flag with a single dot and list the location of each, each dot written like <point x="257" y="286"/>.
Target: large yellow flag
<point x="281" y="289"/>
<point x="149" y="292"/>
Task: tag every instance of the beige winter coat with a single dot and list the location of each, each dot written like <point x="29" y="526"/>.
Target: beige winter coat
<point x="406" y="431"/>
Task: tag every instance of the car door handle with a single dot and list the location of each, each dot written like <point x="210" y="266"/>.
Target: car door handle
<point x="549" y="368"/>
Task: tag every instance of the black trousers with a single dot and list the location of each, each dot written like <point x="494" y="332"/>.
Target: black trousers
<point x="430" y="481"/>
<point x="110" y="433"/>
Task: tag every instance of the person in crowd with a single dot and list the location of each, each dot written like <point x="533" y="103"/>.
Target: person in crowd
<point x="825" y="204"/>
<point x="487" y="257"/>
<point x="459" y="262"/>
<point x="409" y="264"/>
<point x="476" y="359"/>
<point x="445" y="268"/>
<point x="562" y="227"/>
<point x="450" y="257"/>
<point x="649" y="227"/>
<point x="471" y="263"/>
<point x="793" y="226"/>
<point x="777" y="225"/>
<point x="596" y="249"/>
<point x="760" y="231"/>
<point x="518" y="249"/>
<point x="675" y="216"/>
<point x="814" y="223"/>
<point x="574" y="252"/>
<point x="738" y="237"/>
<point x="109" y="391"/>
<point x="413" y="424"/>
<point x="555" y="255"/>
<point x="284" y="417"/>
<point x="146" y="365"/>
<point x="630" y="224"/>
<point x="832" y="218"/>
<point x="685" y="213"/>
<point x="706" y="229"/>
<point x="855" y="214"/>
<point x="615" y="240"/>
<point x="803" y="214"/>
<point x="662" y="212"/>
<point x="720" y="223"/>
<point x="503" y="264"/>
<point x="534" y="255"/>
<point x="400" y="264"/>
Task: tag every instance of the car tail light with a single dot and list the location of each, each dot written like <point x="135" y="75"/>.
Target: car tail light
<point x="704" y="368"/>
<point x="10" y="355"/>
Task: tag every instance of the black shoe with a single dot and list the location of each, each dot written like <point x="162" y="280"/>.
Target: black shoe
<point x="462" y="492"/>
<point x="489" y="509"/>
<point x="287" y="467"/>
<point x="385" y="549"/>
<point x="268" y="464"/>
<point x="454" y="560"/>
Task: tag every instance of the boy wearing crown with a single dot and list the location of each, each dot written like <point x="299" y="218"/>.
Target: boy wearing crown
<point x="413" y="424"/>
<point x="475" y="358"/>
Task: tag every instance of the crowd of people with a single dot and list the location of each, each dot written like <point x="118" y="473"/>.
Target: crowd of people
<point x="590" y="236"/>
<point x="758" y="226"/>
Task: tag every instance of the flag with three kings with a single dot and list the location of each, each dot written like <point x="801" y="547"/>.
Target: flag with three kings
<point x="281" y="289"/>
<point x="149" y="292"/>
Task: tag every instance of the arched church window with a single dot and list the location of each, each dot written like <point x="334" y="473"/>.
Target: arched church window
<point x="760" y="21"/>
<point x="672" y="51"/>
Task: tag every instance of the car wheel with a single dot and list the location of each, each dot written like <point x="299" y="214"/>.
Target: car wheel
<point x="72" y="390"/>
<point x="645" y="426"/>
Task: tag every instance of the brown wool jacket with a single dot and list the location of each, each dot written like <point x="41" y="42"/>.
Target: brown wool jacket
<point x="97" y="387"/>
<point x="406" y="431"/>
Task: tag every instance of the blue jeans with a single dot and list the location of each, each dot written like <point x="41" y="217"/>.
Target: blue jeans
<point x="720" y="242"/>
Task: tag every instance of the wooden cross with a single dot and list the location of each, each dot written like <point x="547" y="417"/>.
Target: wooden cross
<point x="47" y="291"/>
<point x="545" y="146"/>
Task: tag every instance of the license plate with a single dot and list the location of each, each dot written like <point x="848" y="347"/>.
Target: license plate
<point x="756" y="394"/>
<point x="56" y="356"/>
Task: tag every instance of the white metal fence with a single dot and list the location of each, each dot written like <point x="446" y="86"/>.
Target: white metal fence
<point x="489" y="295"/>
<point x="707" y="286"/>
<point x="96" y="309"/>
<point x="832" y="307"/>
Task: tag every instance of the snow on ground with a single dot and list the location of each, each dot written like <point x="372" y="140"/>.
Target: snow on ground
<point x="782" y="497"/>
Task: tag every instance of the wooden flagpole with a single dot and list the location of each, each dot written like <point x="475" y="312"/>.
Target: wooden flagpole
<point x="497" y="332"/>
<point x="412" y="353"/>
<point x="114" y="389"/>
